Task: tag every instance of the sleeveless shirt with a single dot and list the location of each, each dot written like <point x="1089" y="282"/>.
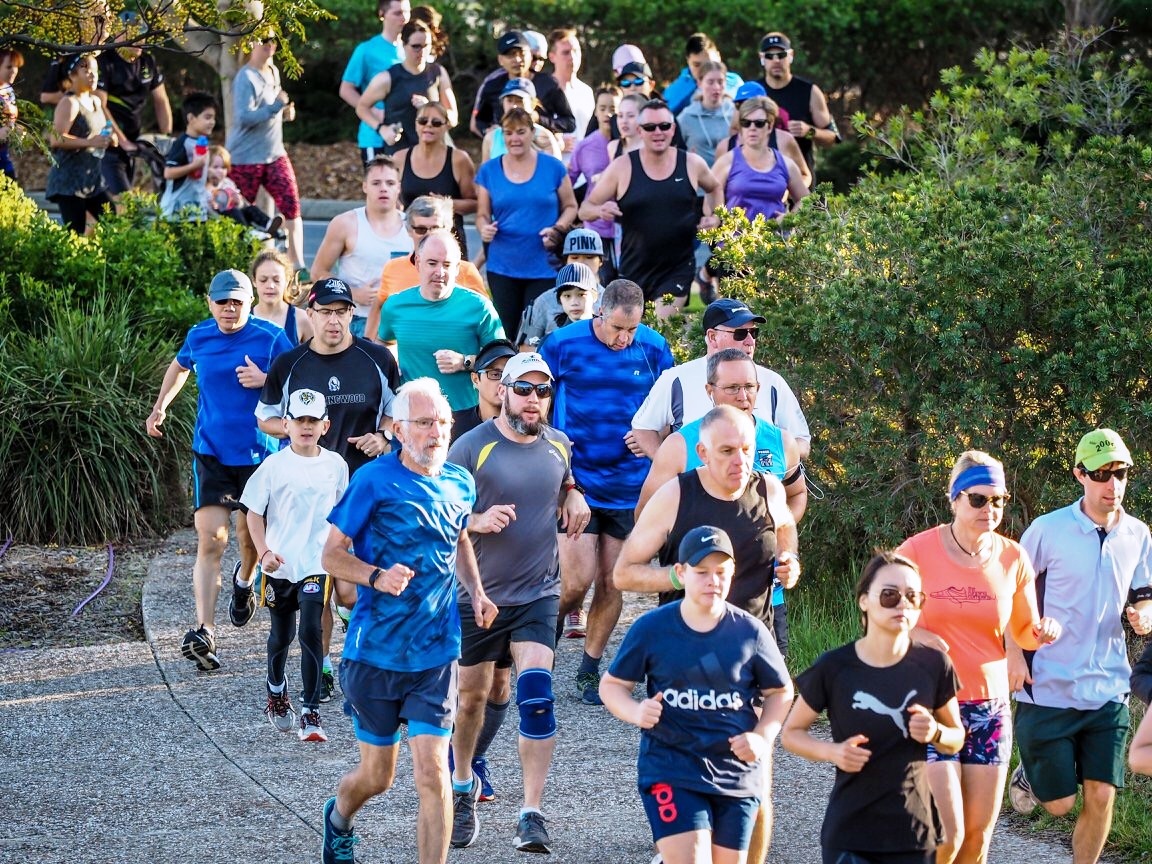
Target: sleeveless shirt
<point x="658" y="221"/>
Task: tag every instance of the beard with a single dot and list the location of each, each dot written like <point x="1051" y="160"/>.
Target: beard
<point x="517" y="422"/>
<point x="431" y="461"/>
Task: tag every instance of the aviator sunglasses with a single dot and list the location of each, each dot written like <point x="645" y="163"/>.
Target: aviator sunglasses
<point x="890" y="598"/>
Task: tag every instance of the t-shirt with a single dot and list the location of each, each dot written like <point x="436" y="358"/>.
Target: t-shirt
<point x="710" y="683"/>
<point x="225" y="420"/>
<point x="358" y="384"/>
<point x="521" y="563"/>
<point x="969" y="608"/>
<point x="187" y="191"/>
<point x="256" y="134"/>
<point x="295" y="494"/>
<point x="129" y="85"/>
<point x="401" y="273"/>
<point x="394" y="515"/>
<point x="463" y="321"/>
<point x="522" y="211"/>
<point x="892" y="789"/>
<point x="597" y="392"/>
<point x="369" y="58"/>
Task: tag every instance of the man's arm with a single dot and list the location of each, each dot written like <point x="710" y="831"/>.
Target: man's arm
<point x="163" y="110"/>
<point x="468" y="572"/>
<point x="601" y="201"/>
<point x="670" y="459"/>
<point x="332" y="247"/>
<point x="825" y="132"/>
<point x="634" y="570"/>
<point x="704" y="179"/>
<point x="795" y="487"/>
<point x="174" y="379"/>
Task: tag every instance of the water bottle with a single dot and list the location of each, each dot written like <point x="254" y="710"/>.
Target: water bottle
<point x="199" y="150"/>
<point x="99" y="152"/>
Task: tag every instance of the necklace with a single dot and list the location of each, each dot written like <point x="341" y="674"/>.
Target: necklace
<point x="979" y="550"/>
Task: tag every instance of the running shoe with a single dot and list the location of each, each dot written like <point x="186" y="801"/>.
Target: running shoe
<point x="575" y="625"/>
<point x="1020" y="792"/>
<point x="480" y="769"/>
<point x="310" y="728"/>
<point x="199" y="646"/>
<point x="531" y="835"/>
<point x="279" y="711"/>
<point x="344" y="614"/>
<point x="337" y="844"/>
<point x="242" y="606"/>
<point x="588" y="686"/>
<point x="327" y="685"/>
<point x="465" y="825"/>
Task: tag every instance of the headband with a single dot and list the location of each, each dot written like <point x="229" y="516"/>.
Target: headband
<point x="978" y="475"/>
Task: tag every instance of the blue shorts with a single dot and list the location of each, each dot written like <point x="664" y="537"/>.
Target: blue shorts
<point x="379" y="700"/>
<point x="987" y="734"/>
<point x="674" y="810"/>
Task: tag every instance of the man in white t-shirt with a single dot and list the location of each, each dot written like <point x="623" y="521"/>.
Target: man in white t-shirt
<point x="679" y="395"/>
<point x="564" y="54"/>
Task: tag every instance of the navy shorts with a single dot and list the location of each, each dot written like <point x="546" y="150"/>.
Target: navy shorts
<point x="614" y="523"/>
<point x="218" y="485"/>
<point x="839" y="856"/>
<point x="379" y="700"/>
<point x="530" y="622"/>
<point x="987" y="734"/>
<point x="674" y="810"/>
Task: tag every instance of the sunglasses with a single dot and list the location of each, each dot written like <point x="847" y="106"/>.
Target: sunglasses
<point x="417" y="46"/>
<point x="434" y="122"/>
<point x="633" y="82"/>
<point x="742" y="333"/>
<point x="421" y="230"/>
<point x="652" y="127"/>
<point x="525" y="388"/>
<point x="774" y="55"/>
<point x="977" y="500"/>
<point x="890" y="598"/>
<point x="1103" y="475"/>
<point x="759" y="124"/>
<point x="223" y="304"/>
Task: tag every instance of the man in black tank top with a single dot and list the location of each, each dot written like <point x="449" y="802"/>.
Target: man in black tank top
<point x="809" y="119"/>
<point x="653" y="193"/>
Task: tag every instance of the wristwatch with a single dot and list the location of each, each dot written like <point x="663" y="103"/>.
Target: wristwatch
<point x="467" y="363"/>
<point x="373" y="577"/>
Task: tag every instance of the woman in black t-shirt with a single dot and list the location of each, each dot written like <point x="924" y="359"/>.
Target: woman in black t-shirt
<point x="886" y="699"/>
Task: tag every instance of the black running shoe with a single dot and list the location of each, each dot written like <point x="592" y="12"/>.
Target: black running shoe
<point x="531" y="835"/>
<point x="242" y="606"/>
<point x="200" y="647"/>
<point x="327" y="685"/>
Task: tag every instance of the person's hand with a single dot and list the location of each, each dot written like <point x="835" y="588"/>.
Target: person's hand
<point x="633" y="445"/>
<point x="749" y="746"/>
<point x="648" y="711"/>
<point x="493" y="520"/>
<point x="798" y="128"/>
<point x="787" y="569"/>
<point x="610" y="211"/>
<point x="551" y="238"/>
<point x="922" y="726"/>
<point x="850" y="754"/>
<point x="1018" y="674"/>
<point x="484" y="611"/>
<point x="152" y="424"/>
<point x="419" y="100"/>
<point x="1047" y="630"/>
<point x="370" y="443"/>
<point x="574" y="514"/>
<point x="394" y="580"/>
<point x="126" y="145"/>
<point x="270" y="561"/>
<point x="289" y="112"/>
<point x="284" y="98"/>
<point x="1140" y="619"/>
<point x="488" y="231"/>
<point x="198" y="162"/>
<point x="448" y="361"/>
<point x="708" y="222"/>
<point x="101" y="141"/>
<point x="920" y="636"/>
<point x="250" y="376"/>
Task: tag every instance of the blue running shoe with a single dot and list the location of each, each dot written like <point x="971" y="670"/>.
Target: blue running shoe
<point x="480" y="769"/>
<point x="337" y="844"/>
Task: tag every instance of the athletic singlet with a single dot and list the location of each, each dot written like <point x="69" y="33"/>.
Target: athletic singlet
<point x="795" y="97"/>
<point x="398" y="107"/>
<point x="290" y="326"/>
<point x="751" y="528"/>
<point x="769" y="458"/>
<point x="757" y="192"/>
<point x="364" y="264"/>
<point x="658" y="222"/>
<point x="412" y="186"/>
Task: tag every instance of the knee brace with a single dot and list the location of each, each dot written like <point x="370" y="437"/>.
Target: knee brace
<point x="536" y="703"/>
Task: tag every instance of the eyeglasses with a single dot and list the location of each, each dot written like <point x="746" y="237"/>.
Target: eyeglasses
<point x="774" y="55"/>
<point x="494" y="374"/>
<point x="434" y="122"/>
<point x="1103" y="475"/>
<point x="977" y="500"/>
<point x="633" y="82"/>
<point x="525" y="388"/>
<point x="759" y="124"/>
<point x="230" y="302"/>
<point x="890" y="598"/>
<point x="652" y="127"/>
<point x="736" y="389"/>
<point x="739" y="334"/>
<point x="342" y="312"/>
<point x="427" y="423"/>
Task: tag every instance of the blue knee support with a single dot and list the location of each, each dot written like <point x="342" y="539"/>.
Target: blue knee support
<point x="536" y="703"/>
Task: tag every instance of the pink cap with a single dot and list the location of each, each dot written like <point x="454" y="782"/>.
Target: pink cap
<point x="624" y="55"/>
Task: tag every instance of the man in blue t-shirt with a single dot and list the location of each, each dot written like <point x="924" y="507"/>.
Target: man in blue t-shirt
<point x="231" y="353"/>
<point x="404" y="514"/>
<point x="603" y="367"/>
<point x="368" y="59"/>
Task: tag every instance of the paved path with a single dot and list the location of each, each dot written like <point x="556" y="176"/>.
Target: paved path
<point x="123" y="753"/>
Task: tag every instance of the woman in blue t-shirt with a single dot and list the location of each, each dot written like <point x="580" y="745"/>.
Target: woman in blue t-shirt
<point x="705" y="748"/>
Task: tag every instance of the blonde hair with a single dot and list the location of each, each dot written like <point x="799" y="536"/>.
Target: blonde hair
<point x="216" y="150"/>
<point x="969" y="459"/>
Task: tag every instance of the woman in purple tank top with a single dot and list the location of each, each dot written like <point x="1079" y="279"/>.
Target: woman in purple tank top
<point x="754" y="176"/>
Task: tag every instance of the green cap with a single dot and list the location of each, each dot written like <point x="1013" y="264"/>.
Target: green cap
<point x="1099" y="447"/>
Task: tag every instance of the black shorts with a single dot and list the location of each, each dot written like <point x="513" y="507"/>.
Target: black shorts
<point x="614" y="523"/>
<point x="217" y="485"/>
<point x="530" y="622"/>
<point x="280" y="595"/>
<point x="118" y="169"/>
<point x="677" y="284"/>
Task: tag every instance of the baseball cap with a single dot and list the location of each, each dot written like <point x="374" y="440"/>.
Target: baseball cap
<point x="306" y="403"/>
<point x="624" y="55"/>
<point x="510" y="40"/>
<point x="701" y="542"/>
<point x="749" y="90"/>
<point x="331" y="290"/>
<point x="1099" y="447"/>
<point x="536" y="43"/>
<point x="522" y="364"/>
<point x="521" y="87"/>
<point x="576" y="276"/>
<point x="492" y="351"/>
<point x="733" y="313"/>
<point x="230" y="285"/>
<point x="635" y="68"/>
<point x="583" y="241"/>
<point x="775" y="40"/>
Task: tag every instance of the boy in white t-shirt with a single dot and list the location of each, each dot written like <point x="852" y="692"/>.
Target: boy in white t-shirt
<point x="287" y="501"/>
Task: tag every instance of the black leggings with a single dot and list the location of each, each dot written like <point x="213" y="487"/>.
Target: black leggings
<point x="74" y="211"/>
<point x="311" y="650"/>
<point x="511" y="296"/>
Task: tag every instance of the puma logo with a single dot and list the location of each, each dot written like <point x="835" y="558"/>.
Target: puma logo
<point x="867" y="702"/>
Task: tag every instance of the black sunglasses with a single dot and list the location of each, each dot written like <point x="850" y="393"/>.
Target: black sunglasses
<point x="525" y="388"/>
<point x="1103" y="475"/>
<point x="978" y="500"/>
<point x="652" y="127"/>
<point x="890" y="598"/>
<point x="774" y="55"/>
<point x="435" y="122"/>
<point x="421" y="230"/>
<point x="742" y="333"/>
<point x="759" y="124"/>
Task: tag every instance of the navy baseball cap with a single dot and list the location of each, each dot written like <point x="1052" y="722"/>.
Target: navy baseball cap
<point x="511" y="40"/>
<point x="701" y="542"/>
<point x="731" y="313"/>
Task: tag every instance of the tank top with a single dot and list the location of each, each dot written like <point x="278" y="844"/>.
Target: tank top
<point x="749" y="525"/>
<point x="795" y="97"/>
<point x="398" y="107"/>
<point x="364" y="264"/>
<point x="769" y="458"/>
<point x="76" y="173"/>
<point x="290" y="326"/>
<point x="758" y="192"/>
<point x="412" y="186"/>
<point x="658" y="224"/>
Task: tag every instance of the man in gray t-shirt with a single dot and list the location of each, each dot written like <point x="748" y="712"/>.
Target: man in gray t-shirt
<point x="522" y="469"/>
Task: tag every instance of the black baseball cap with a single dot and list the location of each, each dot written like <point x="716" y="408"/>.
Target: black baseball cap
<point x="775" y="40"/>
<point x="330" y="290"/>
<point x="512" y="39"/>
<point x="495" y="350"/>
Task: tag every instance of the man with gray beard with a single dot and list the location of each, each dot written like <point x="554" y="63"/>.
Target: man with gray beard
<point x="523" y="475"/>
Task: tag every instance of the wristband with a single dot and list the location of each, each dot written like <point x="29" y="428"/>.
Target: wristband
<point x="260" y="560"/>
<point x="674" y="579"/>
<point x="373" y="577"/>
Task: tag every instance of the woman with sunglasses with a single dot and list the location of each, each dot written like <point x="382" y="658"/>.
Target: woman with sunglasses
<point x="983" y="587"/>
<point x="433" y="167"/>
<point x="888" y="700"/>
<point x="405" y="88"/>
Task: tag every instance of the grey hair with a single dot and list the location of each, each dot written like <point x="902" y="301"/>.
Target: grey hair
<point x="438" y="206"/>
<point x="622" y="294"/>
<point x="426" y="387"/>
<point x="727" y="355"/>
